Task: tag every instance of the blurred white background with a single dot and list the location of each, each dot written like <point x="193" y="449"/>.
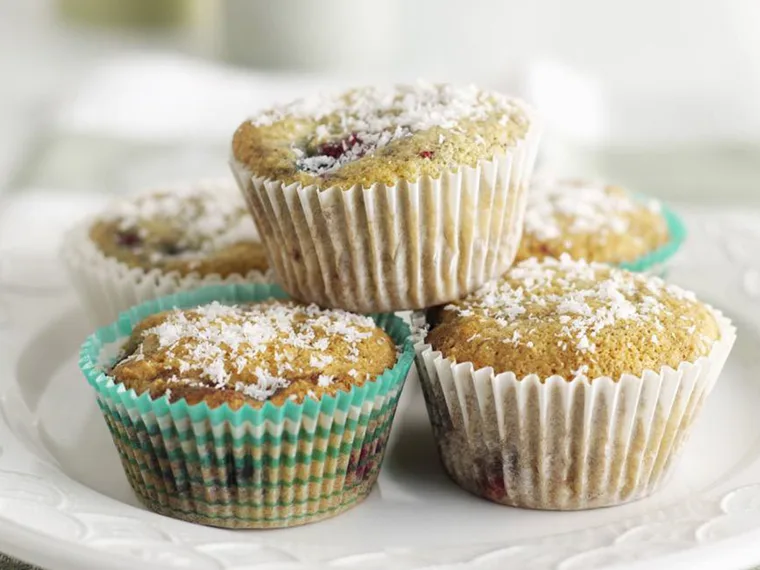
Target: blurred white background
<point x="107" y="95"/>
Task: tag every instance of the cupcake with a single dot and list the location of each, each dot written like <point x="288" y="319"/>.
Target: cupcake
<point x="160" y="242"/>
<point x="233" y="407"/>
<point x="598" y="222"/>
<point x="388" y="199"/>
<point x="568" y="384"/>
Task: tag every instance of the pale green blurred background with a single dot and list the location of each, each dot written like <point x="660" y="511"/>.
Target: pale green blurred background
<point x="107" y="95"/>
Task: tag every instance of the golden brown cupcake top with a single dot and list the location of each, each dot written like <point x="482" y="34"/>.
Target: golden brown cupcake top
<point x="589" y="221"/>
<point x="375" y="134"/>
<point x="252" y="353"/>
<point x="574" y="318"/>
<point x="204" y="229"/>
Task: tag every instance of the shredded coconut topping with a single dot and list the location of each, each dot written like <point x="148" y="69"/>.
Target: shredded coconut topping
<point x="583" y="299"/>
<point x="361" y="121"/>
<point x="556" y="207"/>
<point x="200" y="219"/>
<point x="250" y="348"/>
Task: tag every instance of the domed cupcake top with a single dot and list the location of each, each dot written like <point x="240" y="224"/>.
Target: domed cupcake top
<point x="574" y="318"/>
<point x="589" y="221"/>
<point x="252" y="353"/>
<point x="204" y="228"/>
<point x="374" y="134"/>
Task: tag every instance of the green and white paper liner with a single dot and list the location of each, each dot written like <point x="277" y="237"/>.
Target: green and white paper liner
<point x="657" y="262"/>
<point x="268" y="467"/>
<point x="556" y="444"/>
<point x="392" y="248"/>
<point x="106" y="286"/>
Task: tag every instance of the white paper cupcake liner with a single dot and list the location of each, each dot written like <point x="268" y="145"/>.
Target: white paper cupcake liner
<point x="106" y="286"/>
<point x="564" y="445"/>
<point x="391" y="248"/>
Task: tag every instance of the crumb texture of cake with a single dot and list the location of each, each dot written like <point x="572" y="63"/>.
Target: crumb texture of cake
<point x="253" y="353"/>
<point x="379" y="135"/>
<point x="572" y="318"/>
<point x="205" y="230"/>
<point x="589" y="221"/>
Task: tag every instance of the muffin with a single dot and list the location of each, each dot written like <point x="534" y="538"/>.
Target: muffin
<point x="568" y="384"/>
<point x="159" y="242"/>
<point x="598" y="222"/>
<point x="388" y="199"/>
<point x="233" y="407"/>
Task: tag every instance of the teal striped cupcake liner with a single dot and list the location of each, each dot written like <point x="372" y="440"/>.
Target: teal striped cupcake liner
<point x="267" y="467"/>
<point x="656" y="262"/>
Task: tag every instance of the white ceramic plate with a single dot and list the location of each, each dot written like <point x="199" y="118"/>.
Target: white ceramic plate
<point x="65" y="504"/>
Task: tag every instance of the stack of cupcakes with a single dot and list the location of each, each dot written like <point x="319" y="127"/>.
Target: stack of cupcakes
<point x="557" y="383"/>
<point x="231" y="405"/>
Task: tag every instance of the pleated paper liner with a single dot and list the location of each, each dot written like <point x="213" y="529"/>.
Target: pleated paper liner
<point x="657" y="261"/>
<point x="106" y="286"/>
<point x="393" y="248"/>
<point x="268" y="467"/>
<point x="564" y="445"/>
